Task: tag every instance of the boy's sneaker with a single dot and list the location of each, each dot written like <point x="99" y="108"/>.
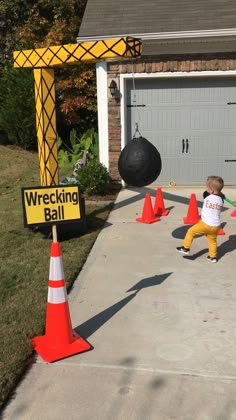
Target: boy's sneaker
<point x="182" y="250"/>
<point x="212" y="259"/>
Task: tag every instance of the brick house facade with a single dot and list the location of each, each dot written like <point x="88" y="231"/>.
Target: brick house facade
<point x="188" y="48"/>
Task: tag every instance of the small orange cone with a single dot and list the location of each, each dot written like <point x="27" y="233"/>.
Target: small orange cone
<point x="59" y="340"/>
<point x="233" y="214"/>
<point x="148" y="214"/>
<point x="192" y="215"/>
<point x="159" y="207"/>
<point x="221" y="231"/>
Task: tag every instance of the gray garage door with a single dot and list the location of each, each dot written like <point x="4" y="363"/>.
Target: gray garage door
<point x="191" y="121"/>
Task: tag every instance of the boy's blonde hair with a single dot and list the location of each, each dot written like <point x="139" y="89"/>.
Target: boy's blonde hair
<point x="216" y="183"/>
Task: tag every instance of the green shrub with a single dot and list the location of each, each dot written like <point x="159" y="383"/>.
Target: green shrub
<point x="94" y="178"/>
<point x="75" y="150"/>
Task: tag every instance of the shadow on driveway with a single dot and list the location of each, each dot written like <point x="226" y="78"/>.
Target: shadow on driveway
<point x="86" y="329"/>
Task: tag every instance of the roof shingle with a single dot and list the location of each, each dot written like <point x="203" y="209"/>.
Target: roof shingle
<point x="131" y="17"/>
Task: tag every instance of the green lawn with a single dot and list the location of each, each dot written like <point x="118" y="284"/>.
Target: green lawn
<point x="25" y="265"/>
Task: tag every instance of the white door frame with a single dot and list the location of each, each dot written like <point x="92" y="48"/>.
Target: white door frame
<point x="102" y="107"/>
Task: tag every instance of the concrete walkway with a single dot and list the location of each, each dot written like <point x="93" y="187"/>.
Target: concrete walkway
<point x="162" y="325"/>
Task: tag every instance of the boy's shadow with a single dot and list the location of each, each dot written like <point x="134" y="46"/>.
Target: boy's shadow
<point x="227" y="246"/>
<point x="224" y="248"/>
<point x="197" y="255"/>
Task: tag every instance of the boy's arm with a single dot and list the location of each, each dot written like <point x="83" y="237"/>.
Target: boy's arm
<point x="230" y="202"/>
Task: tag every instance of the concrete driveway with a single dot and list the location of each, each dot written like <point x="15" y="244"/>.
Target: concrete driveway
<point x="162" y="325"/>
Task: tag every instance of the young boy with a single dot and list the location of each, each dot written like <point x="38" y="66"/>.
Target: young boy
<point x="210" y="218"/>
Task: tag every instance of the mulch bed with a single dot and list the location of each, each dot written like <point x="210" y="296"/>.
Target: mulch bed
<point x="110" y="195"/>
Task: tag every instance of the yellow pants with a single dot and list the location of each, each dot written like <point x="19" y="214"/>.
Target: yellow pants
<point x="202" y="229"/>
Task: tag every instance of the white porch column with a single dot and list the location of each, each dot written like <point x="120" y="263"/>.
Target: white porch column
<point x="102" y="104"/>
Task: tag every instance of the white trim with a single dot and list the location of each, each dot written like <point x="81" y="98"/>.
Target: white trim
<point x="123" y="119"/>
<point x="190" y="34"/>
<point x="165" y="35"/>
<point x="56" y="271"/>
<point x="178" y="74"/>
<point x="57" y="295"/>
<point x="102" y="106"/>
<point x="124" y="77"/>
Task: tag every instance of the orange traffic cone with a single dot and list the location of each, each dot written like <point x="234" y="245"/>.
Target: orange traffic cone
<point x="221" y="231"/>
<point x="233" y="214"/>
<point x="159" y="208"/>
<point x="192" y="215"/>
<point x="59" y="340"/>
<point x="148" y="214"/>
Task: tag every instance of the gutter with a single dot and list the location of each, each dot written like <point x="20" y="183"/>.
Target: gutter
<point x="165" y="35"/>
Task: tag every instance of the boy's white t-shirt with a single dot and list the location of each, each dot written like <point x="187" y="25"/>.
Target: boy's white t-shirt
<point x="211" y="210"/>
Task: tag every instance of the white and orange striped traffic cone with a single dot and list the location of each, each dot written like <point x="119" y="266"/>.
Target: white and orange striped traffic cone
<point x="59" y="340"/>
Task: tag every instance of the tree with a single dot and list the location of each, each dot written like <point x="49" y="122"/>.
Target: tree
<point x="17" y="108"/>
<point x="55" y="23"/>
<point x="13" y="13"/>
<point x="76" y="94"/>
<point x="52" y="22"/>
<point x="30" y="24"/>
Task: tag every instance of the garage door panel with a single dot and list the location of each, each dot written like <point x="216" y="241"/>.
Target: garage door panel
<point x="212" y="118"/>
<point x="169" y="119"/>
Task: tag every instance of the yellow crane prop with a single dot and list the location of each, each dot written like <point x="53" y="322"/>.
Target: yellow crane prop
<point x="59" y="340"/>
<point x="43" y="61"/>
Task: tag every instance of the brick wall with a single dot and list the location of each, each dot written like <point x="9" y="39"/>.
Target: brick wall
<point x="178" y="63"/>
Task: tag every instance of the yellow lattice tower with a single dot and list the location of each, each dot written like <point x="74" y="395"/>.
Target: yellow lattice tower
<point x="46" y="125"/>
<point x="43" y="61"/>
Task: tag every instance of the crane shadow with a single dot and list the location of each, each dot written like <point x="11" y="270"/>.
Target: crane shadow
<point x="144" y="190"/>
<point x="166" y="196"/>
<point x="149" y="282"/>
<point x="97" y="321"/>
<point x="89" y="327"/>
